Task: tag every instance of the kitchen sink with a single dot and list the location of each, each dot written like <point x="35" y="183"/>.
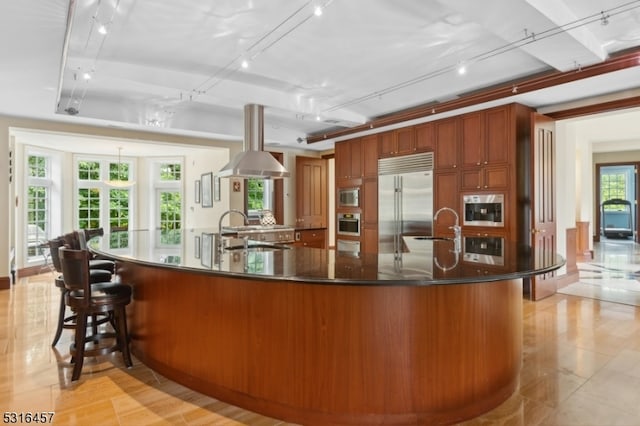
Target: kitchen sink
<point x="258" y="247"/>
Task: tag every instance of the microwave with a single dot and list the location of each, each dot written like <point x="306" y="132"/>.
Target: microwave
<point x="349" y="197"/>
<point x="483" y="210"/>
<point x="348" y="224"/>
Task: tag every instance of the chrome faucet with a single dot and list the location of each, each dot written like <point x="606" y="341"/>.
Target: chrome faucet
<point x="457" y="230"/>
<point x="246" y="222"/>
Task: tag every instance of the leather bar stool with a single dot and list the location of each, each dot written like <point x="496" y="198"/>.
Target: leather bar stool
<point x="77" y="240"/>
<point x="87" y="300"/>
<point x="100" y="278"/>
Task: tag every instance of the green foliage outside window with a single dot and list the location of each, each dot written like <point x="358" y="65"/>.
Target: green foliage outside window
<point x="89" y="170"/>
<point x="88" y="208"/>
<point x="170" y="217"/>
<point x="613" y="186"/>
<point x="171" y="172"/>
<point x="37" y="166"/>
<point x="255" y="194"/>
<point x="119" y="171"/>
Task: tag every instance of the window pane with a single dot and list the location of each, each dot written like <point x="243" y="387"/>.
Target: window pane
<point x="89" y="208"/>
<point x="37" y="166"/>
<point x="119" y="216"/>
<point x="89" y="170"/>
<point x="170" y="217"/>
<point x="37" y="213"/>
<point x="119" y="171"/>
<point x="170" y="172"/>
<point x="613" y="186"/>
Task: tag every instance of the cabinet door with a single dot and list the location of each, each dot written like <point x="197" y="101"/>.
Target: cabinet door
<point x="472" y="129"/>
<point x="386" y="144"/>
<point x="471" y="179"/>
<point x="446" y="153"/>
<point x="370" y="156"/>
<point x="311" y="191"/>
<point x="370" y="202"/>
<point x="496" y="177"/>
<point x="369" y="240"/>
<point x="343" y="160"/>
<point x="446" y="194"/>
<point x="425" y="135"/>
<point x="405" y="141"/>
<point x="499" y="138"/>
<point x="355" y="150"/>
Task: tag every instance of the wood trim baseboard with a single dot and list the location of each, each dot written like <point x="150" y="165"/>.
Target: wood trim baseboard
<point x="566" y="279"/>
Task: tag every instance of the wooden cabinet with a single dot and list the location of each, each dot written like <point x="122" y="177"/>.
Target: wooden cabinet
<point x="369" y="154"/>
<point x="397" y="142"/>
<point x="496" y="177"/>
<point x="425" y="135"/>
<point x="311" y="192"/>
<point x="348" y="159"/>
<point x="446" y="194"/>
<point x="311" y="238"/>
<point x="486" y="137"/>
<point x="446" y="144"/>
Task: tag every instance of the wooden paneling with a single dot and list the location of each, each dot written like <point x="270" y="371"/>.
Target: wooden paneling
<point x="330" y="354"/>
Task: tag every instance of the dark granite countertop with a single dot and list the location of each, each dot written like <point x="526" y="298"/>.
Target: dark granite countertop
<point x="421" y="262"/>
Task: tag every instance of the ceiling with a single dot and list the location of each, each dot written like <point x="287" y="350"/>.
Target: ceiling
<point x="176" y="66"/>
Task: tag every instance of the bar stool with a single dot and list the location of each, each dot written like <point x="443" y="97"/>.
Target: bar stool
<point x="101" y="276"/>
<point x="86" y="300"/>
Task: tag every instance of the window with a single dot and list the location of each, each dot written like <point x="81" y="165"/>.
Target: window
<point x="168" y="182"/>
<point x="37" y="204"/>
<point x="259" y="196"/>
<point x="100" y="205"/>
<point x="613" y="185"/>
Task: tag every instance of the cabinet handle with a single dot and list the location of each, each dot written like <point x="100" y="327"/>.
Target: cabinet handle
<point x="486" y="186"/>
<point x="486" y="162"/>
<point x="454" y="166"/>
<point x="478" y="163"/>
<point x="478" y="187"/>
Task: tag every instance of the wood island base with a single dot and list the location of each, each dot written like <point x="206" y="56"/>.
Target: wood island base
<point x="319" y="354"/>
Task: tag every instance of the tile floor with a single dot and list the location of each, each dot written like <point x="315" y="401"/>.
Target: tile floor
<point x="581" y="364"/>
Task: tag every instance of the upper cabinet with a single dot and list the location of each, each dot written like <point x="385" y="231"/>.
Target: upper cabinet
<point x="486" y="137"/>
<point x="348" y="159"/>
<point x="397" y="142"/>
<point x="487" y="147"/>
<point x="446" y="144"/>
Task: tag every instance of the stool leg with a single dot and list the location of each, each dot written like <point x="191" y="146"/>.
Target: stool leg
<point x="123" y="335"/>
<point x="78" y="355"/>
<point x="61" y="313"/>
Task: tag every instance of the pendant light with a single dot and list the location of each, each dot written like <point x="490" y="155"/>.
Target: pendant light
<point x="118" y="182"/>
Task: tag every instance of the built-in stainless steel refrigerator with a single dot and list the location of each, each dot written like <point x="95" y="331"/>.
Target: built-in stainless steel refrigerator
<point x="405" y="200"/>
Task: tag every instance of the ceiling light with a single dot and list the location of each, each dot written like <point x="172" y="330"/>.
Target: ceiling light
<point x="244" y="64"/>
<point x="102" y="29"/>
<point x="86" y="76"/>
<point x="462" y="69"/>
<point x="118" y="182"/>
<point x="317" y="10"/>
<point x="318" y="118"/>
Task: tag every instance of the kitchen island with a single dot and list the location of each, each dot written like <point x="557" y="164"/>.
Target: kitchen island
<point x="429" y="335"/>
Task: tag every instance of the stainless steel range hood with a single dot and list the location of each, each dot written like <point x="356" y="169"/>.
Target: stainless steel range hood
<point x="254" y="162"/>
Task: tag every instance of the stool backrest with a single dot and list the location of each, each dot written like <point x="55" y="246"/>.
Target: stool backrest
<point x="75" y="273"/>
<point x="71" y="240"/>
<point x="54" y="245"/>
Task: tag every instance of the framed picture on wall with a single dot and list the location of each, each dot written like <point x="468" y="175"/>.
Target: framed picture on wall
<point x="197" y="191"/>
<point x="206" y="183"/>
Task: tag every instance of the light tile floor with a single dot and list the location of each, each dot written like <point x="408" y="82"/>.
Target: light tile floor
<point x="581" y="365"/>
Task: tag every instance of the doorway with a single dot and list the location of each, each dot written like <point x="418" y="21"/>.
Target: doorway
<point x="617" y="201"/>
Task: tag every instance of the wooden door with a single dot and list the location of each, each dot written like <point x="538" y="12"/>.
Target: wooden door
<point x="543" y="205"/>
<point x="311" y="192"/>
